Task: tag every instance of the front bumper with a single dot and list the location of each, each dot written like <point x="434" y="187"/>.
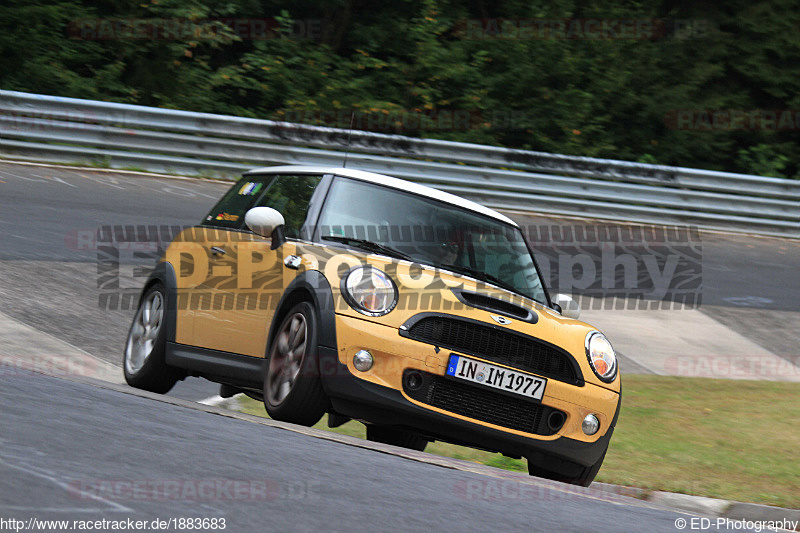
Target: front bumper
<point x="377" y="396"/>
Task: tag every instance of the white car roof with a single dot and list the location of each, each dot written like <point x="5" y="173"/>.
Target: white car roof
<point x="388" y="181"/>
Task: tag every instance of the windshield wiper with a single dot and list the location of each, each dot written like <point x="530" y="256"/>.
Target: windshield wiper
<point x="369" y="246"/>
<point x="483" y="276"/>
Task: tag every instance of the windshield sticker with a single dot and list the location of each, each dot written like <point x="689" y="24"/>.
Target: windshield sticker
<point x="227" y="217"/>
<point x="250" y="188"/>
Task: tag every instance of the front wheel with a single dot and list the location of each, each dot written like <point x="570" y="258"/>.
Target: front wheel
<point x="292" y="386"/>
<point x="144" y="362"/>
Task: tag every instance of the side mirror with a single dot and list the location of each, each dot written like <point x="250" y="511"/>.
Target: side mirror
<point x="266" y="222"/>
<point x="568" y="307"/>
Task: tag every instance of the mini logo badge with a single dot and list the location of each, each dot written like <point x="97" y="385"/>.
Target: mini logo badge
<point x="503" y="321"/>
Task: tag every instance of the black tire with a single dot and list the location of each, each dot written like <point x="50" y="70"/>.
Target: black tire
<point x="144" y="363"/>
<point x="574" y="475"/>
<point x="396" y="437"/>
<point x="292" y="385"/>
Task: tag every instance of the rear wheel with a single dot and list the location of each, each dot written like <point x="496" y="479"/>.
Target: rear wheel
<point x="396" y="437"/>
<point x="144" y="362"/>
<point x="573" y="474"/>
<point x="292" y="386"/>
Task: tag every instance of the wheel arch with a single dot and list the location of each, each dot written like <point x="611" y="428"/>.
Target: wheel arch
<point x="165" y="274"/>
<point x="309" y="286"/>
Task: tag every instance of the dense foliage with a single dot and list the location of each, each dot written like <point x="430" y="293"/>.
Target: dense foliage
<point x="517" y="73"/>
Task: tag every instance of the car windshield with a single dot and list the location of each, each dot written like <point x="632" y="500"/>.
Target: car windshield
<point x="428" y="231"/>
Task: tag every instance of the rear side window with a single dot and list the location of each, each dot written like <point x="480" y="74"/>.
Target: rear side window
<point x="290" y="195"/>
<point x="230" y="210"/>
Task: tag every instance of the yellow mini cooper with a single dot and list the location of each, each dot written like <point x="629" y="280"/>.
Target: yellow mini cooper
<point x="418" y="313"/>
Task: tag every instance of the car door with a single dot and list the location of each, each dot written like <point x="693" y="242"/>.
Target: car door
<point x="198" y="255"/>
<point x="246" y="276"/>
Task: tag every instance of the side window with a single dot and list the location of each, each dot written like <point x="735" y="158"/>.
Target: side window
<point x="230" y="210"/>
<point x="291" y="196"/>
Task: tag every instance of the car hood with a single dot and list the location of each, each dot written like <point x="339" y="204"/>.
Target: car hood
<point x="426" y="289"/>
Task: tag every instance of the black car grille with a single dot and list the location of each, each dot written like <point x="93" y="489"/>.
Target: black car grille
<point x="494" y="344"/>
<point x="486" y="405"/>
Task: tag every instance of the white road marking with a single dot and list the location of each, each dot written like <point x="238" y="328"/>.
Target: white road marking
<point x="64" y="182"/>
<point x="218" y="401"/>
<point x="686" y="342"/>
<point x="120" y="171"/>
<point x="49" y="476"/>
<point x="7" y="173"/>
<point x="642" y="364"/>
<point x="186" y="193"/>
<point x="212" y="400"/>
<point x="25" y="349"/>
<point x="101" y="181"/>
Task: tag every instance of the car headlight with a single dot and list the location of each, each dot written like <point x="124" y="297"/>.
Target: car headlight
<point x="601" y="356"/>
<point x="369" y="290"/>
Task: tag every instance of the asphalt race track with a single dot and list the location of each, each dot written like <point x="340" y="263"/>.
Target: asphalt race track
<point x="71" y="448"/>
<point x="81" y="452"/>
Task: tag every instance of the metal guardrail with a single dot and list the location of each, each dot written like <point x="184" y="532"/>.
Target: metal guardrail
<point x="48" y="128"/>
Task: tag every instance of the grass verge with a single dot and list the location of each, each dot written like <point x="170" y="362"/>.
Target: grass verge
<point x="736" y="440"/>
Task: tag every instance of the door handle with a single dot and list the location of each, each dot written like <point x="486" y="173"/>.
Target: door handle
<point x="216" y="250"/>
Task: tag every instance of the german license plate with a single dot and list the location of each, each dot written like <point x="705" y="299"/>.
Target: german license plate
<point x="497" y="377"/>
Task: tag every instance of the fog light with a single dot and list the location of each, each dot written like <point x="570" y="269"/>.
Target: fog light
<point x="590" y="425"/>
<point x="362" y="360"/>
<point x="413" y="381"/>
<point x="555" y="420"/>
